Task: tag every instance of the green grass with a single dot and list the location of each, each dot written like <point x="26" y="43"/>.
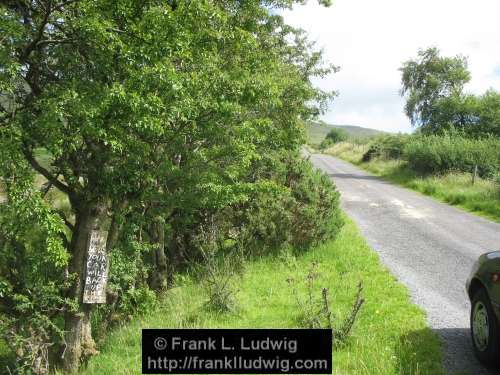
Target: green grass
<point x="348" y="151"/>
<point x="389" y="337"/>
<point x="482" y="198"/>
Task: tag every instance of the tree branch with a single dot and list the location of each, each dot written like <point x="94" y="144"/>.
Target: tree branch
<point x="45" y="188"/>
<point x="30" y="48"/>
<point x="66" y="221"/>
<point x="44" y="172"/>
<point x="54" y="41"/>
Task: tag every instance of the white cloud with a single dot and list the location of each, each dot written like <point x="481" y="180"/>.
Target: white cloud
<point x="370" y="39"/>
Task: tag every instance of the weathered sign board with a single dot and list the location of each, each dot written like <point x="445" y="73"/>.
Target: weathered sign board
<point x="96" y="275"/>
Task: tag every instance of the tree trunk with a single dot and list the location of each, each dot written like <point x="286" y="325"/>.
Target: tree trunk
<point x="175" y="256"/>
<point x="79" y="342"/>
<point x="160" y="275"/>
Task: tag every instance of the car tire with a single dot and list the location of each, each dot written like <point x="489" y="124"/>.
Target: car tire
<point x="484" y="329"/>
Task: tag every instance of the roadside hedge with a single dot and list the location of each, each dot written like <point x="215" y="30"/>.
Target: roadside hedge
<point x="387" y="146"/>
<point x="433" y="154"/>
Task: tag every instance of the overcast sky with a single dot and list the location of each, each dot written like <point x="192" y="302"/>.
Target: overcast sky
<point x="369" y="40"/>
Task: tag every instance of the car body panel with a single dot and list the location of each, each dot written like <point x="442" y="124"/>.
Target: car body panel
<point x="482" y="272"/>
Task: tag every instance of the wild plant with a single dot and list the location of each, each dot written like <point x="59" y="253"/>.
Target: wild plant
<point x="315" y="309"/>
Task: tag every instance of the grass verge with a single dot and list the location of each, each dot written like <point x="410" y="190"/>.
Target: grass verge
<point x="482" y="197"/>
<point x="389" y="337"/>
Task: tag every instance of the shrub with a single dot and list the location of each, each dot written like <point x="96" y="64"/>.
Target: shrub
<point x="316" y="213"/>
<point x="386" y="146"/>
<point x="292" y="205"/>
<point x="439" y="154"/>
<point x="302" y="211"/>
<point x="334" y="136"/>
<point x="32" y="285"/>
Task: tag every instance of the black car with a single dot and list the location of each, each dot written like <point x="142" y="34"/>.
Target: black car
<point x="483" y="287"/>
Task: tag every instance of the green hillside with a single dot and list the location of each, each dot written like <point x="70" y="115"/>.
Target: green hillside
<point x="316" y="131"/>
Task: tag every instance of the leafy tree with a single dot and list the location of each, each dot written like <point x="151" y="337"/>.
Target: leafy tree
<point x="335" y="135"/>
<point x="431" y="84"/>
<point x="488" y="112"/>
<point x="475" y="116"/>
<point x="456" y="112"/>
<point x="145" y="109"/>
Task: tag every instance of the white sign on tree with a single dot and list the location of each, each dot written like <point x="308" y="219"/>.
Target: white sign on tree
<point x="96" y="269"/>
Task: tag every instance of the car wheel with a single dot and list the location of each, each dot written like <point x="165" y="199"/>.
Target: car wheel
<point x="484" y="329"/>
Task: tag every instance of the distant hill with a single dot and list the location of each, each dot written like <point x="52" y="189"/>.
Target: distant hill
<point x="317" y="131"/>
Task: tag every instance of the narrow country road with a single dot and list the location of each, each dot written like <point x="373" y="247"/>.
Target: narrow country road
<point x="429" y="246"/>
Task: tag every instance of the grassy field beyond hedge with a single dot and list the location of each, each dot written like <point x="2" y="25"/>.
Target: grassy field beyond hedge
<point x="389" y="337"/>
<point x="454" y="187"/>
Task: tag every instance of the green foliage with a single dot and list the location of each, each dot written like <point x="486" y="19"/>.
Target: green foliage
<point x="128" y="292"/>
<point x="303" y="212"/>
<point x="487" y="115"/>
<point x="387" y="147"/>
<point x="32" y="263"/>
<point x="138" y="300"/>
<point x="334" y="136"/>
<point x="152" y="119"/>
<point x="439" y="154"/>
<point x="316" y="212"/>
<point x="289" y="203"/>
<point x="475" y="116"/>
<point x="435" y="101"/>
<point x="337" y="135"/>
<point x="428" y="78"/>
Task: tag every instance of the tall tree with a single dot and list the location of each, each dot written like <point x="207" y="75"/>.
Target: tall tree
<point x="488" y="114"/>
<point x="428" y="79"/>
<point x="163" y="104"/>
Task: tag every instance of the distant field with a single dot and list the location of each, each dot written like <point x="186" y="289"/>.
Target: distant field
<point x="317" y="131"/>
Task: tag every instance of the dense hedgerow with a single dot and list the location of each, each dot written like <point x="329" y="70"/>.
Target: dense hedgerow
<point x="299" y="207"/>
<point x="434" y="154"/>
<point x="387" y="146"/>
<point x="439" y="154"/>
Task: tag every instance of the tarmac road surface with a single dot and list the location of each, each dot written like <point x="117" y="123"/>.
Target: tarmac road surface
<point x="429" y="246"/>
